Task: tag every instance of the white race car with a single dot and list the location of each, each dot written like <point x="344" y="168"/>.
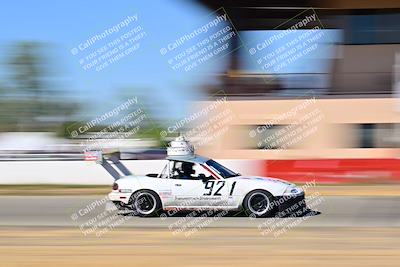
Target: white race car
<point x="192" y="182"/>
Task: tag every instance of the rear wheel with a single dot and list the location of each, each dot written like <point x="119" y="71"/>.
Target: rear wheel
<point x="146" y="203"/>
<point x="258" y="203"/>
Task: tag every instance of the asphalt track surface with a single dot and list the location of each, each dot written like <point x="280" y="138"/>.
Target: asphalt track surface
<point x="39" y="231"/>
<point x="67" y="211"/>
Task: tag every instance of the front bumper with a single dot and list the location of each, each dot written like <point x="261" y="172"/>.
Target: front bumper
<point x="289" y="205"/>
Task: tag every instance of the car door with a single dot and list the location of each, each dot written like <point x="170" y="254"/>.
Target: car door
<point x="187" y="193"/>
<point x="215" y="193"/>
<point x="201" y="190"/>
<point x="184" y="189"/>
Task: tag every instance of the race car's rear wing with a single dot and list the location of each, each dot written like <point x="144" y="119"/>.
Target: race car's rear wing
<point x="110" y="161"/>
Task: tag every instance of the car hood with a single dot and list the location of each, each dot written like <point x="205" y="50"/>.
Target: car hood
<point x="265" y="179"/>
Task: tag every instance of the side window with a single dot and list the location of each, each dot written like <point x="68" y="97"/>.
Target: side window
<point x="188" y="170"/>
<point x="175" y="168"/>
<point x="201" y="173"/>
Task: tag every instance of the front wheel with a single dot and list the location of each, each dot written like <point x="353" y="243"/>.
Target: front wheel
<point x="259" y="204"/>
<point x="146" y="203"/>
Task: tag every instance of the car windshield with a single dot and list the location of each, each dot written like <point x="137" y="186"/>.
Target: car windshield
<point x="223" y="171"/>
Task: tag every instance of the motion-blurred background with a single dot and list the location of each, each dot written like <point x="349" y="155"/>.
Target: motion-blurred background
<point x="305" y="90"/>
<point x="352" y="81"/>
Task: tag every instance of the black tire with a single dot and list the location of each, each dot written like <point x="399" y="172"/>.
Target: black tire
<point x="146" y="203"/>
<point x="259" y="204"/>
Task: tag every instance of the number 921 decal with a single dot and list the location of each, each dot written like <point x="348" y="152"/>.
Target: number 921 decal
<point x="209" y="187"/>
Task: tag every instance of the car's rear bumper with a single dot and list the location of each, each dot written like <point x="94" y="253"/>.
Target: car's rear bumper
<point x="288" y="205"/>
<point x="119" y="197"/>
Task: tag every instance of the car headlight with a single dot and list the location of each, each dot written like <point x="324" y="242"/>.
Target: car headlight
<point x="292" y="190"/>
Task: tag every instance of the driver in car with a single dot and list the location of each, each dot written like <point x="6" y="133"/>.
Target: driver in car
<point x="187" y="171"/>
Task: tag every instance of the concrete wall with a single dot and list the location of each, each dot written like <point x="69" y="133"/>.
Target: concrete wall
<point x="81" y="172"/>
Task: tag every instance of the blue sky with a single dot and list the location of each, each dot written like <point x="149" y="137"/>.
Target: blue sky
<point x="62" y="25"/>
<point x="65" y="24"/>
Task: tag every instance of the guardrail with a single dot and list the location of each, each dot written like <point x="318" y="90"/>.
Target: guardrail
<point x="41" y="157"/>
<point x="151" y="154"/>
